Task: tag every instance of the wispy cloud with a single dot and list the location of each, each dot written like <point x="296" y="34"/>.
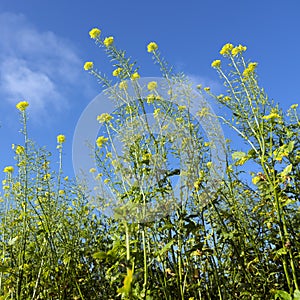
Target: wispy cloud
<point x="37" y="66"/>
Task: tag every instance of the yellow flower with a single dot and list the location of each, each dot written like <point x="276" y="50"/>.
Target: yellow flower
<point x="150" y="98"/>
<point x="88" y="65"/>
<point x="255" y="179"/>
<point x="209" y="164"/>
<point x="152" y="47"/>
<point x="226" y="49"/>
<point x="156" y="112"/>
<point x="123" y="85"/>
<point x="101" y="140"/>
<point x="47" y="176"/>
<point x="207" y="89"/>
<point x="99" y="175"/>
<point x="8" y="169"/>
<point x="117" y="72"/>
<point x="226" y="98"/>
<point x="197" y="184"/>
<point x="250" y="69"/>
<point x="61" y="192"/>
<point x="107" y="180"/>
<point x="95" y="33"/>
<point x="114" y="163"/>
<point x="20" y="150"/>
<point x="203" y="112"/>
<point x="108" y="41"/>
<point x="238" y="49"/>
<point x="181" y="107"/>
<point x="152" y="85"/>
<point x="66" y="178"/>
<point x="103" y="118"/>
<point x="199" y="86"/>
<point x="61" y="139"/>
<point x="146" y="156"/>
<point x="271" y="116"/>
<point x="216" y="63"/>
<point x="92" y="170"/>
<point x="135" y="76"/>
<point x="22" y="105"/>
<point x="294" y="106"/>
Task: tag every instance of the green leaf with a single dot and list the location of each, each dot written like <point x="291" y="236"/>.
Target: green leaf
<point x="12" y="241"/>
<point x="125" y="289"/>
<point x="296" y="295"/>
<point x="287" y="170"/>
<point x="100" y="255"/>
<point x="290" y="146"/>
<point x="283" y="295"/>
<point x="4" y="269"/>
<point x="165" y="248"/>
<point x="67" y="260"/>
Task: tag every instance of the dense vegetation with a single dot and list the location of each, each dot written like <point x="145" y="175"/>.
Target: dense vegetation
<point x="236" y="239"/>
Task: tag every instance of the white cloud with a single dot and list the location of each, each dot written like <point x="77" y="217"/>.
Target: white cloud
<point x="36" y="66"/>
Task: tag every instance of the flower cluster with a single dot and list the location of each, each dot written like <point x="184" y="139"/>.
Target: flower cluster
<point x="156" y="112"/>
<point x="108" y="41"/>
<point x="135" y="76"/>
<point x="226" y="49"/>
<point x="152" y="85"/>
<point x="117" y="72"/>
<point x="271" y="116"/>
<point x="20" y="150"/>
<point x="104" y="118"/>
<point x="61" y="139"/>
<point x="152" y="47"/>
<point x="250" y="69"/>
<point x="22" y="105"/>
<point x="181" y="107"/>
<point x="95" y="33"/>
<point x="88" y="65"/>
<point x="150" y="98"/>
<point x="216" y="63"/>
<point x="123" y="85"/>
<point x="238" y="49"/>
<point x="8" y="169"/>
<point x="101" y="140"/>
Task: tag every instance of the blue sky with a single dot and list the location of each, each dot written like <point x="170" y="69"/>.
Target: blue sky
<point x="44" y="44"/>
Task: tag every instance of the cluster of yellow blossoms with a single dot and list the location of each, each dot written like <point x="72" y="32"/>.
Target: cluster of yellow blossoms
<point x="61" y="139"/>
<point x="152" y="47"/>
<point x="101" y="140"/>
<point x="123" y="85"/>
<point x="8" y="169"/>
<point x="95" y="33"/>
<point x="117" y="72"/>
<point x="88" y="65"/>
<point x="271" y="116"/>
<point x="250" y="69"/>
<point x="216" y="63"/>
<point x="108" y="41"/>
<point x="104" y="118"/>
<point x="22" y="105"/>
<point x="228" y="49"/>
<point x="135" y="76"/>
<point x="152" y="85"/>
